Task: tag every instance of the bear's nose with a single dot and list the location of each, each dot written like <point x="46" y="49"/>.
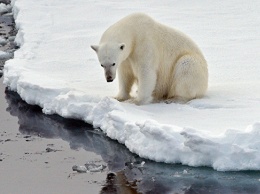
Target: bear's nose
<point x="109" y="79"/>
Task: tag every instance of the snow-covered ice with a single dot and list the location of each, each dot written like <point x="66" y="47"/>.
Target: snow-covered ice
<point x="56" y="69"/>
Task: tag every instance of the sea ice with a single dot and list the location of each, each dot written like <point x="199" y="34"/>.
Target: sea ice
<point x="56" y="69"/>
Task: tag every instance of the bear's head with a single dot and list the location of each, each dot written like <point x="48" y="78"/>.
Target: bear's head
<point x="110" y="55"/>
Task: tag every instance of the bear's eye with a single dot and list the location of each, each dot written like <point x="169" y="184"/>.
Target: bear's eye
<point x="102" y="65"/>
<point x="113" y="64"/>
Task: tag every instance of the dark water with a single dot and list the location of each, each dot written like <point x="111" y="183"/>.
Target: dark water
<point x="127" y="175"/>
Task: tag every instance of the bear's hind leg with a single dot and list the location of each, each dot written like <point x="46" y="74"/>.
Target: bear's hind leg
<point x="190" y="78"/>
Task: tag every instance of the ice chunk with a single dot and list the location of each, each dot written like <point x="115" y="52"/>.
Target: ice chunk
<point x="79" y="168"/>
<point x="3" y="41"/>
<point x="4" y="8"/>
<point x="89" y="167"/>
<point x="5" y="55"/>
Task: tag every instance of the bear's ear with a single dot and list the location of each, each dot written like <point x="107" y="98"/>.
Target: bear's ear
<point x="95" y="47"/>
<point x="122" y="46"/>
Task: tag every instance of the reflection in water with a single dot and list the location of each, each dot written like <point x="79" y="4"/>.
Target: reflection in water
<point x="126" y="175"/>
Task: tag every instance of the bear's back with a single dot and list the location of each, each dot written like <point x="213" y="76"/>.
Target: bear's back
<point x="139" y="29"/>
<point x="128" y="26"/>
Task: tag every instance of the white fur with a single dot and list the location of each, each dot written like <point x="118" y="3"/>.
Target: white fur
<point x="164" y="62"/>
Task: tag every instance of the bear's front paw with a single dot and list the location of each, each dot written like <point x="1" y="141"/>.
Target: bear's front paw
<point x="137" y="102"/>
<point x="122" y="98"/>
<point x="133" y="101"/>
<point x="143" y="101"/>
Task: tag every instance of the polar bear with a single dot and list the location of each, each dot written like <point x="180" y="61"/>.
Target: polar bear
<point x="163" y="62"/>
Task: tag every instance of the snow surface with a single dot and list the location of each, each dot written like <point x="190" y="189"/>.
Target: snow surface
<point x="56" y="69"/>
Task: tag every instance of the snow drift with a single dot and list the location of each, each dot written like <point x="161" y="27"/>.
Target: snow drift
<point x="56" y="69"/>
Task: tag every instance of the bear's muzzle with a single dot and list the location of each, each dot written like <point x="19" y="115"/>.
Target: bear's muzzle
<point x="109" y="79"/>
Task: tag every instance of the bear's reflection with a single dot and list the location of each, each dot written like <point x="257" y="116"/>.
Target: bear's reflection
<point x="125" y="176"/>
